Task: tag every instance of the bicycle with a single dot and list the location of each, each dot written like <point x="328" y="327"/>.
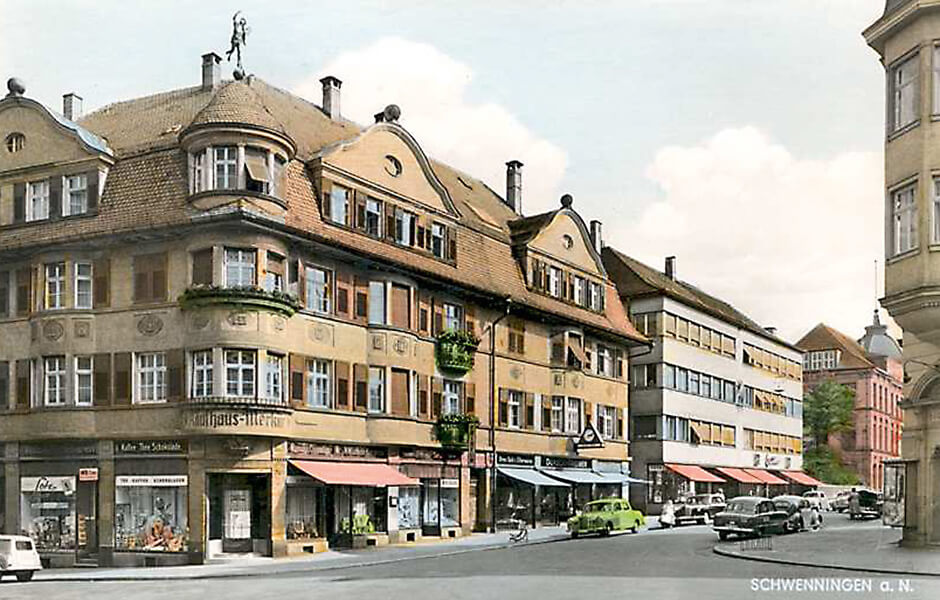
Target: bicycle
<point x="522" y="534"/>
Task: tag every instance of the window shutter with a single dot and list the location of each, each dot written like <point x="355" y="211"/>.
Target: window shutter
<point x="420" y="227"/>
<point x="588" y="412"/>
<point x="546" y="413"/>
<point x="424" y="313"/>
<point x="24" y="296"/>
<point x="620" y="424"/>
<point x="451" y="243"/>
<point x="202" y="267"/>
<point x="23" y="387"/>
<point x="437" y="391"/>
<point x="159" y="287"/>
<point x="344" y="291"/>
<point x="341" y="373"/>
<point x="122" y="378"/>
<point x="4" y="295"/>
<point x="325" y="206"/>
<point x="529" y="410"/>
<point x="470" y="398"/>
<point x="362" y="299"/>
<point x="438" y="324"/>
<point x="399" y="396"/>
<point x="360" y="210"/>
<point x="618" y="362"/>
<point x="389" y="222"/>
<point x="301" y="281"/>
<point x="102" y="379"/>
<point x="19" y="202"/>
<point x="361" y="376"/>
<point x="55" y="197"/>
<point x="423" y="404"/>
<point x="175" y="373"/>
<point x="102" y="283"/>
<point x="503" y="407"/>
<point x="470" y="317"/>
<point x="298" y="379"/>
<point x="92" y="189"/>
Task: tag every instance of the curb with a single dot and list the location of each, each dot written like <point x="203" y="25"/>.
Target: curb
<point x="283" y="571"/>
<point x="785" y="561"/>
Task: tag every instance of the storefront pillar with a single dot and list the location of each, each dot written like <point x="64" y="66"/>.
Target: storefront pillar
<point x="485" y="500"/>
<point x="105" y="516"/>
<point x="198" y="505"/>
<point x="279" y="501"/>
<point x="11" y="479"/>
<point x="466" y="514"/>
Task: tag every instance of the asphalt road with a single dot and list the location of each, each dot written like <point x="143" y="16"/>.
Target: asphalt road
<point x="653" y="564"/>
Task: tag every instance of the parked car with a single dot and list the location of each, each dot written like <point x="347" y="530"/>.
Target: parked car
<point x="700" y="508"/>
<point x="18" y="557"/>
<point x="801" y="513"/>
<point x="749" y="516"/>
<point x="865" y="504"/>
<point x="818" y="498"/>
<point x="605" y="517"/>
<point x="841" y="502"/>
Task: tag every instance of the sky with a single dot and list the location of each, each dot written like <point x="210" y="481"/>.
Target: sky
<point x="743" y="137"/>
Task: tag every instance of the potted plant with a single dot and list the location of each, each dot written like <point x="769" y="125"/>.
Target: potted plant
<point x="455" y="431"/>
<point x="455" y="350"/>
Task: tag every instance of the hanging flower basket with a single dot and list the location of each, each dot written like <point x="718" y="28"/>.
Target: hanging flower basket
<point x="456" y="350"/>
<point x="455" y="432"/>
<point x="244" y="298"/>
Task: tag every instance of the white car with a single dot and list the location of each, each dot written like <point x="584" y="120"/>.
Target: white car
<point x="18" y="557"/>
<point x="818" y="499"/>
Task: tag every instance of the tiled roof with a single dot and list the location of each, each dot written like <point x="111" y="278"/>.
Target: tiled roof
<point x="634" y="278"/>
<point x="237" y="102"/>
<point x="823" y="337"/>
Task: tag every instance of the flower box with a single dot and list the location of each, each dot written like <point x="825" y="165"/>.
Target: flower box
<point x="244" y="298"/>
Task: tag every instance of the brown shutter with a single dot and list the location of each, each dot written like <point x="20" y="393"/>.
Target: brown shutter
<point x="503" y="407"/>
<point x="389" y="221"/>
<point x="437" y="393"/>
<point x="24" y="291"/>
<point x="570" y="294"/>
<point x="423" y="404"/>
<point x="23" y="385"/>
<point x="588" y="412"/>
<point x="143" y="281"/>
<point x="470" y="395"/>
<point x="176" y="374"/>
<point x="471" y="319"/>
<point x="360" y="210"/>
<point x="529" y="410"/>
<point x="618" y="364"/>
<point x="361" y="376"/>
<point x="91" y="180"/>
<point x="418" y="232"/>
<point x="19" y="202"/>
<point x="343" y="398"/>
<point x="202" y="267"/>
<point x="424" y="313"/>
<point x="298" y="379"/>
<point x="438" y="323"/>
<point x="451" y="234"/>
<point x="546" y="413"/>
<point x="400" y="404"/>
<point x="344" y="292"/>
<point x="122" y="378"/>
<point x="301" y="282"/>
<point x="619" y="424"/>
<point x="325" y="206"/>
<point x="401" y="305"/>
<point x="102" y="379"/>
<point x="55" y="197"/>
<point x="159" y="286"/>
<point x="4" y="294"/>
<point x="362" y="299"/>
<point x="102" y="282"/>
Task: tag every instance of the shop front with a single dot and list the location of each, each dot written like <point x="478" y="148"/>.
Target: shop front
<point x="738" y="482"/>
<point x="524" y="495"/>
<point x="771" y="485"/>
<point x="586" y="484"/>
<point x="800" y="482"/>
<point x="434" y="508"/>
<point x="239" y="513"/>
<point x="671" y="481"/>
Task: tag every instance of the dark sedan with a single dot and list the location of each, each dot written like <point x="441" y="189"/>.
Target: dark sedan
<point x="700" y="508"/>
<point x="801" y="514"/>
<point x="749" y="516"/>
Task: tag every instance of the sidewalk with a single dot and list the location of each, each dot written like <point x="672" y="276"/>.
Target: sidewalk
<point x="246" y="567"/>
<point x="871" y="547"/>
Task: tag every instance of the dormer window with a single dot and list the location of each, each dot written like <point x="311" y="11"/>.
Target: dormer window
<point x="37" y="200"/>
<point x="256" y="171"/>
<point x="226" y="173"/>
<point x="249" y="168"/>
<point x="75" y="193"/>
<point x="199" y="172"/>
<point x="437" y="240"/>
<point x="339" y="205"/>
<point x="373" y="217"/>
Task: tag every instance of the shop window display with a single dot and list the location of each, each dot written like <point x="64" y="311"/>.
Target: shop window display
<point x="150" y="513"/>
<point x="48" y="511"/>
<point x="368" y="509"/>
<point x="304" y="520"/>
<point x="408" y="508"/>
<point x="442" y="503"/>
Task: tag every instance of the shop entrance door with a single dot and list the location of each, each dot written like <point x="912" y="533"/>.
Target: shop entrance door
<point x="236" y="520"/>
<point x="86" y="525"/>
<point x="431" y="507"/>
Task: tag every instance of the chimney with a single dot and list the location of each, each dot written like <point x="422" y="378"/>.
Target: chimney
<point x="331" y="87"/>
<point x="596" y="238"/>
<point x="514" y="186"/>
<point x="71" y="106"/>
<point x="211" y="71"/>
<point x="671" y="267"/>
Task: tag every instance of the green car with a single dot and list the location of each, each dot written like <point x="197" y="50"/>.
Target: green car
<point x="606" y="516"/>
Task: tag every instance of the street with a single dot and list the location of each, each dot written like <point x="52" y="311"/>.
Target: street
<point x="676" y="563"/>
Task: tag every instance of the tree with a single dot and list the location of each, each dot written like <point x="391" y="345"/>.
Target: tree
<point x="827" y="409"/>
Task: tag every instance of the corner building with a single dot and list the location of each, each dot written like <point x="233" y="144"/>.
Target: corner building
<point x="232" y="321"/>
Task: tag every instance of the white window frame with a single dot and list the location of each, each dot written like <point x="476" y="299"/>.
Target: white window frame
<point x="453" y="316"/>
<point x="903" y="211"/>
<point x="580" y="290"/>
<point x="554" y="281"/>
<point x="595" y="296"/>
<point x="240" y="262"/>
<point x="339" y="203"/>
<point x="84" y="380"/>
<point x="376" y="402"/>
<point x="558" y="413"/>
<point x="404" y="226"/>
<point x="319" y="383"/>
<point x="573" y="412"/>
<point x="74" y="194"/>
<point x="373" y="211"/>
<point x="606" y="416"/>
<point x="274" y="377"/>
<point x="151" y="378"/>
<point x="450" y="397"/>
<point x="604" y="360"/>
<point x="199" y="183"/>
<point x="225" y="167"/>
<point x="202" y="385"/>
<point x="83" y="284"/>
<point x="377" y="288"/>
<point x="935" y="213"/>
<point x="244" y="383"/>
<point x="37" y="200"/>
<point x="438" y="234"/>
<point x="55" y="285"/>
<point x="514" y="404"/>
<point x="903" y="90"/>
<point x="54" y="378"/>
<point x="318" y="295"/>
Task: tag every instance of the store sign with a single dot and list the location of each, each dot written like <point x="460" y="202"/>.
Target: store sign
<point x="336" y="450"/>
<point x="232" y="419"/>
<point x="565" y="463"/>
<point x="515" y="459"/>
<point x="771" y="461"/>
<point x="57" y="450"/>
<point x="151" y="481"/>
<point x="589" y="438"/>
<point x="450" y="483"/>
<point x="150" y="447"/>
<point x="88" y="474"/>
<point x="65" y="484"/>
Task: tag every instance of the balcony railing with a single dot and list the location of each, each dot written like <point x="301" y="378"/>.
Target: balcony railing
<point x="245" y="298"/>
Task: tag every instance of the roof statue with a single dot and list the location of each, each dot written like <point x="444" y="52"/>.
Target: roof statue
<point x="240" y="31"/>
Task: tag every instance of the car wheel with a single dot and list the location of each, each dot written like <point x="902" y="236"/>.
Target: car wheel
<point x="723" y="535"/>
<point x="574" y="535"/>
<point x="608" y="529"/>
<point x="24" y="575"/>
<point x="800" y="525"/>
<point x="636" y="527"/>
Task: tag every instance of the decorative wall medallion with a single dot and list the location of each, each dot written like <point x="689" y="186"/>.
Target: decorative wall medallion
<point x="378" y="342"/>
<point x="150" y="325"/>
<point x="392" y="165"/>
<point x="559" y="379"/>
<point x="576" y="382"/>
<point x="53" y="330"/>
<point x="567" y="241"/>
<point x="279" y="323"/>
<point x="400" y="345"/>
<point x="200" y="321"/>
<point x="320" y="333"/>
<point x="515" y="372"/>
<point x="237" y="319"/>
<point x="82" y="329"/>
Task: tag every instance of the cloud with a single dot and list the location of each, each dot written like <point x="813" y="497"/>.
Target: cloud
<point x="789" y="241"/>
<point x="431" y="89"/>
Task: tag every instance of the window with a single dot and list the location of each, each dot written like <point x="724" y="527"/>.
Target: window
<point x="4" y="296"/>
<point x="573" y="416"/>
<point x="150" y="278"/>
<point x="554" y="282"/>
<point x="37" y="200"/>
<point x="274" y="377"/>
<point x="240" y="373"/>
<point x="274" y="273"/>
<point x="515" y="409"/>
<point x="604" y="362"/>
<point x="693" y="383"/>
<point x="377" y="303"/>
<point x="580" y="291"/>
<point x="376" y="389"/>
<point x="437" y="240"/>
<point x="669" y="376"/>
<point x="239" y="267"/>
<point x="904" y="93"/>
<point x="683" y="380"/>
<point x="451" y="397"/>
<point x="401" y="306"/>
<point x="597" y="297"/>
<point x="318" y="383"/>
<point x="257" y="178"/>
<point x="374" y="217"/>
<point x="84" y="371"/>
<point x="55" y="285"/>
<point x="606" y="421"/>
<point x="516" y="337"/>
<point x="54" y="389"/>
<point x="319" y="288"/>
<point x="453" y="316"/>
<point x="202" y="374"/>
<point x="83" y="285"/>
<point x="226" y="173"/>
<point x="558" y="413"/>
<point x="199" y="172"/>
<point x="75" y="195"/>
<point x="151" y="377"/>
<point x="339" y="205"/>
<point x="404" y="227"/>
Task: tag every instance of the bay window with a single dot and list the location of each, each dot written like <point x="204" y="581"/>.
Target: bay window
<point x="318" y="383"/>
<point x="226" y="167"/>
<point x="202" y="386"/>
<point x="54" y="389"/>
<point x="74" y="195"/>
<point x="904" y="93"/>
<point x="274" y="273"/>
<point x="319" y="287"/>
<point x="83" y="285"/>
<point x="55" y="285"/>
<point x="904" y="219"/>
<point x="257" y="177"/>
<point x="84" y="371"/>
<point x="240" y="373"/>
<point x="239" y="267"/>
<point x="151" y="377"/>
<point x="376" y="389"/>
<point x="37" y="200"/>
<point x="199" y="172"/>
<point x="274" y="377"/>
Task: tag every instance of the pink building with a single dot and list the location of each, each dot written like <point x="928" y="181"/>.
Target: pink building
<point x="872" y="367"/>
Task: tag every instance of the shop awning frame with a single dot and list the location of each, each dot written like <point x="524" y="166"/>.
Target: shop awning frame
<point x="801" y="478"/>
<point x="614" y="477"/>
<point x="695" y="473"/>
<point x="354" y="473"/>
<point x="765" y="476"/>
<point x="530" y="476"/>
<point x="575" y="476"/>
<point x="739" y="475"/>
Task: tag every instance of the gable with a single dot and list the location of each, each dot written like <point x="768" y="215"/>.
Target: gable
<point x="551" y="240"/>
<point x="374" y="156"/>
